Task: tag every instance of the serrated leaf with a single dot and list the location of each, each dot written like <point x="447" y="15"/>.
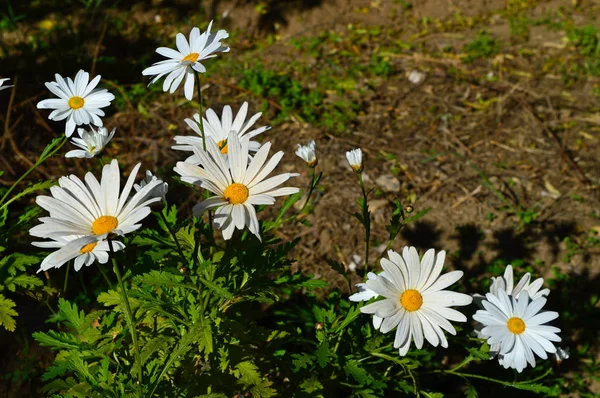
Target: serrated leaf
<point x="470" y="391"/>
<point x="7" y="313"/>
<point x="353" y="314"/>
<point x="302" y="361"/>
<point x="71" y="314"/>
<point x="56" y="340"/>
<point x="32" y="189"/>
<point x="353" y="368"/>
<point x="247" y="373"/>
<point x="160" y="343"/>
<point x="323" y="354"/>
<point x="109" y="299"/>
<point x="311" y="385"/>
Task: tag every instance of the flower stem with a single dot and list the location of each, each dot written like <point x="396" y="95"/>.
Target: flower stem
<point x="366" y="221"/>
<point x="106" y="278"/>
<point x="174" y="235"/>
<point x="200" y="110"/>
<point x="41" y="160"/>
<point x="310" y="191"/>
<point x="129" y="318"/>
<point x="66" y="278"/>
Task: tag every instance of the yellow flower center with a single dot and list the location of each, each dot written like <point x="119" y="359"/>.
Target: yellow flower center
<point x="236" y="193"/>
<point x="88" y="248"/>
<point x="76" y="102"/>
<point x="192" y="57"/>
<point x="104" y="225"/>
<point x="516" y="325"/>
<point x="223" y="146"/>
<point x="411" y="300"/>
<point x="313" y="163"/>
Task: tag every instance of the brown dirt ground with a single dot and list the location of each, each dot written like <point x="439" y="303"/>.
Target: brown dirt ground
<point x="432" y="159"/>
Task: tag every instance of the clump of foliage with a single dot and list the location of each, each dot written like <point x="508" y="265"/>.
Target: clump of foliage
<point x="483" y="46"/>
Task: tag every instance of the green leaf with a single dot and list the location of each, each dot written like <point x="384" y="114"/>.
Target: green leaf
<point x="323" y="354"/>
<point x="71" y="314"/>
<point x="417" y="216"/>
<point x="7" y="313"/>
<point x="109" y="299"/>
<point x="470" y="391"/>
<point x="311" y="385"/>
<point x="302" y="361"/>
<point x="32" y="189"/>
<point x="432" y="394"/>
<point x="535" y="387"/>
<point x="354" y="369"/>
<point x="56" y="340"/>
<point x="482" y="353"/>
<point x="163" y="279"/>
<point x="160" y="343"/>
<point x="247" y="373"/>
<point x="206" y="341"/>
<point x="353" y="313"/>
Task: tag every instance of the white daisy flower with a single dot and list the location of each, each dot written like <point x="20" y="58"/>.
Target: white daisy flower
<point x="184" y="62"/>
<point x="159" y="191"/>
<point x="366" y="294"/>
<point x="517" y="328"/>
<point x="238" y="185"/>
<point x="84" y="249"/>
<point x="308" y="153"/>
<point x="2" y="86"/>
<point x="78" y="101"/>
<point x="355" y="159"/>
<point x="94" y="208"/>
<point x="219" y="129"/>
<point x="415" y="302"/>
<point x="561" y="354"/>
<point x="506" y="283"/>
<point x="91" y="142"/>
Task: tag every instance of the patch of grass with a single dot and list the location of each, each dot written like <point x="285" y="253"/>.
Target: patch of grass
<point x="483" y="46"/>
<point x="519" y="27"/>
<point x="586" y="41"/>
<point x="310" y="105"/>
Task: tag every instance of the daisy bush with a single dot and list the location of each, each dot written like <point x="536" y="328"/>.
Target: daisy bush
<point x="204" y="302"/>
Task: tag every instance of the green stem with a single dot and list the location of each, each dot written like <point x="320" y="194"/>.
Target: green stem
<point x="129" y="318"/>
<point x="66" y="278"/>
<point x="200" y="109"/>
<point x="367" y="222"/>
<point x="177" y="244"/>
<point x="37" y="163"/>
<point x="464" y="363"/>
<point x="106" y="278"/>
<point x="310" y="191"/>
<point x="504" y="383"/>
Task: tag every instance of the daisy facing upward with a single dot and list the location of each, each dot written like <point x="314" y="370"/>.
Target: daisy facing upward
<point x="238" y="186"/>
<point x="79" y="101"/>
<point x="415" y="302"/>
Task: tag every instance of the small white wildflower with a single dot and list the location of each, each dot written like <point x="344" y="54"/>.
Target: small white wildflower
<point x="308" y="153"/>
<point x="561" y="355"/>
<point x="355" y="159"/>
<point x="416" y="77"/>
<point x="2" y="87"/>
<point x="159" y="191"/>
<point x="91" y="142"/>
